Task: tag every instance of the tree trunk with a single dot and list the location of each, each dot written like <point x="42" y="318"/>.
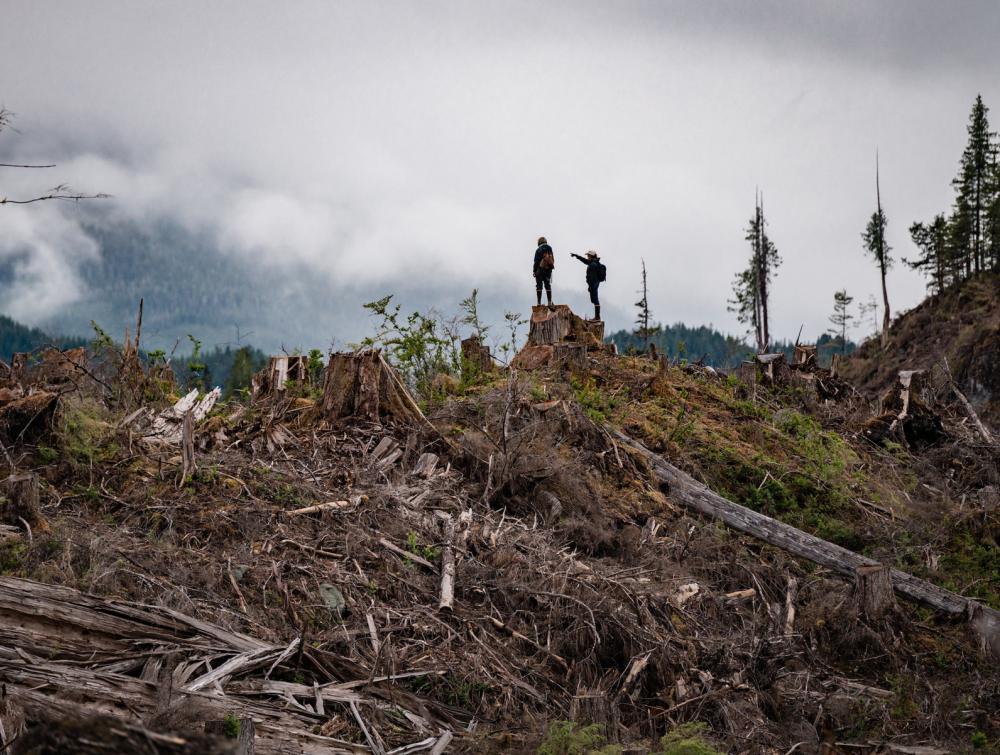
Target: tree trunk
<point x="873" y="595"/>
<point x="20" y="500"/>
<point x="362" y="385"/>
<point x="886" y="318"/>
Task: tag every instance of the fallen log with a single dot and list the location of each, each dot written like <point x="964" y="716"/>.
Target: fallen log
<point x="683" y="488"/>
<point x="317" y="508"/>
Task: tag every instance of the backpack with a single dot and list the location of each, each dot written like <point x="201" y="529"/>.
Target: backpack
<point x="548" y="260"/>
<point x="602" y="272"/>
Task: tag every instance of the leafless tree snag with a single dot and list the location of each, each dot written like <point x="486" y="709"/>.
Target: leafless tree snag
<point x="60" y="192"/>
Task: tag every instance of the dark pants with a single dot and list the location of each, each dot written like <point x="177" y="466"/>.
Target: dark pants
<point x="543" y="278"/>
<point x="593" y="295"/>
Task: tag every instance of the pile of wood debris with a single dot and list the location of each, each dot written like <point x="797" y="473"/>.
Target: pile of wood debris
<point x="339" y="572"/>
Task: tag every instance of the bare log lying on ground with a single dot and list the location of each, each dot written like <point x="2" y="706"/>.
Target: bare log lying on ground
<point x="693" y="494"/>
<point x="984" y="432"/>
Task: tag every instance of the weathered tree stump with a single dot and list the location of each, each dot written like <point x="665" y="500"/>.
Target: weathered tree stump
<point x="476" y="357"/>
<point x="244" y="735"/>
<point x="362" y="385"/>
<point x="280" y="369"/>
<point x="593" y="706"/>
<point x="873" y="591"/>
<point x="20" y="499"/>
<point x="558" y="324"/>
<point x="772" y="368"/>
<point x="908" y="413"/>
<point x="804" y="355"/>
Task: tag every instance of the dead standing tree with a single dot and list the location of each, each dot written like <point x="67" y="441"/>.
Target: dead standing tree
<point x="60" y="191"/>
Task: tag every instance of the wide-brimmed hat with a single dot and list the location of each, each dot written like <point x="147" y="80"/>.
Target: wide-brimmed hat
<point x="592" y="255"/>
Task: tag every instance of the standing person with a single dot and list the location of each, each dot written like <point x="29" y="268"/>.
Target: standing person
<point x="545" y="262"/>
<point x="596" y="275"/>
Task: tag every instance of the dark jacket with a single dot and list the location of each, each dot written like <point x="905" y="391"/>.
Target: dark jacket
<point x="538" y="258"/>
<point x="593" y="270"/>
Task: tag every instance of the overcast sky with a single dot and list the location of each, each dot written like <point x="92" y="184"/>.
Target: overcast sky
<point x="397" y="142"/>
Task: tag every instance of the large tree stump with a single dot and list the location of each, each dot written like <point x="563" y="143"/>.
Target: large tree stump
<point x="907" y="412"/>
<point x="476" y="358"/>
<point x="244" y="735"/>
<point x="559" y="324"/>
<point x="594" y="707"/>
<point x="772" y="368"/>
<point x="873" y="592"/>
<point x="362" y="385"/>
<point x="20" y="499"/>
<point x="280" y="369"/>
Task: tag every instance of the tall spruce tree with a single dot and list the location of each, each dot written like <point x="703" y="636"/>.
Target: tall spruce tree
<point x="876" y="245"/>
<point x="976" y="195"/>
<point x="751" y="287"/>
<point x="935" y="260"/>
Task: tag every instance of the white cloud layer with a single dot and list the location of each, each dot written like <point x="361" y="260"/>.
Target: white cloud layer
<point x="407" y="142"/>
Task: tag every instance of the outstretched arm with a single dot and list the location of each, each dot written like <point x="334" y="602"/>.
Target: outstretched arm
<point x="579" y="257"/>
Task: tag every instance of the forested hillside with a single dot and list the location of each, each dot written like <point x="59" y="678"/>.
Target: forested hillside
<point x="17" y="337"/>
<point x="680" y="342"/>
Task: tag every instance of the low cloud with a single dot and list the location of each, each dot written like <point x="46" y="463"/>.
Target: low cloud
<point x="354" y="148"/>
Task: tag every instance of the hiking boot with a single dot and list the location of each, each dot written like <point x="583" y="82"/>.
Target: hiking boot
<point x="548" y="297"/>
<point x="538" y="294"/>
<point x="597" y="312"/>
